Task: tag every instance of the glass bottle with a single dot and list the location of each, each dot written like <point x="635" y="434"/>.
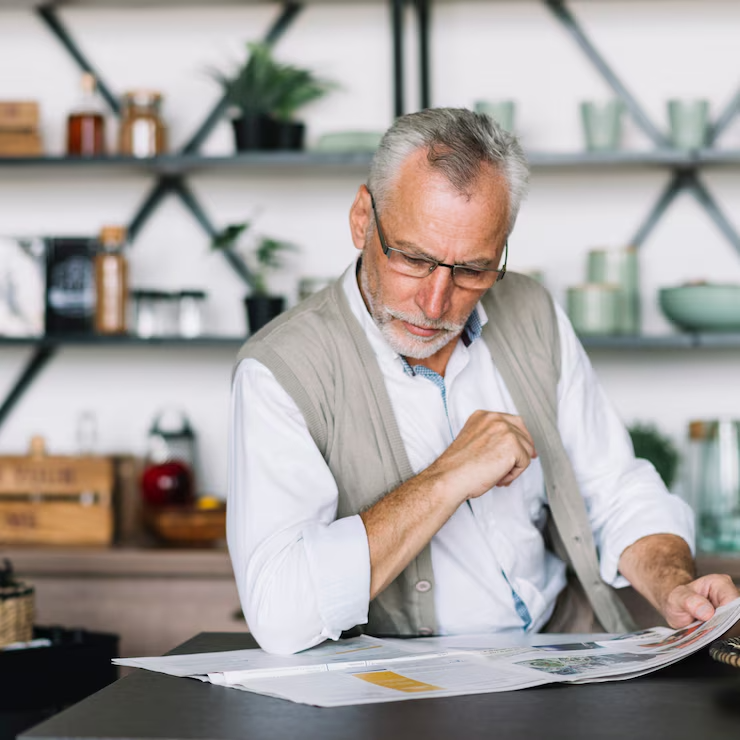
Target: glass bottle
<point x="111" y="281"/>
<point x="142" y="132"/>
<point x="86" y="123"/>
<point x="719" y="521"/>
<point x="693" y="479"/>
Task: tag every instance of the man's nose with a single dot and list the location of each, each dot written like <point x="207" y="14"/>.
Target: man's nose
<point x="434" y="294"/>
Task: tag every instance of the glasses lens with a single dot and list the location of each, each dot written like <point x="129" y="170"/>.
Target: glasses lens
<point x="409" y="265"/>
<point x="465" y="277"/>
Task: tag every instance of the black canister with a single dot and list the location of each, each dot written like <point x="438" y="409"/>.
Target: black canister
<point x="70" y="285"/>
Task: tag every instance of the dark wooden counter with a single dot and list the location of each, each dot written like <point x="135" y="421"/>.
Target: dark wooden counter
<point x="697" y="698"/>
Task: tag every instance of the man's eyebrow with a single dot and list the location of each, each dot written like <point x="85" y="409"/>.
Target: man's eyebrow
<point x="483" y="263"/>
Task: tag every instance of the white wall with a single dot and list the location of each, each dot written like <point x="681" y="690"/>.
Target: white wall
<point x="480" y="50"/>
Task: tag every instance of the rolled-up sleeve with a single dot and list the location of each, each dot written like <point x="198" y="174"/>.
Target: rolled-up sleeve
<point x="625" y="497"/>
<point x="302" y="574"/>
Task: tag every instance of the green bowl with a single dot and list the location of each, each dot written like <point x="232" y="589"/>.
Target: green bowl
<point x="702" y="307"/>
<point x="349" y="141"/>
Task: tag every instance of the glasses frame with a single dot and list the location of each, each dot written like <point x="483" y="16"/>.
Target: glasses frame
<point x="433" y="264"/>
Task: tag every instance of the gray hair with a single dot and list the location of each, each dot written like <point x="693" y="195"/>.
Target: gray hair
<point x="458" y="142"/>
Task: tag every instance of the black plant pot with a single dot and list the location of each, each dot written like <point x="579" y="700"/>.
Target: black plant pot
<point x="262" y="309"/>
<point x="290" y="135"/>
<point x="255" y="131"/>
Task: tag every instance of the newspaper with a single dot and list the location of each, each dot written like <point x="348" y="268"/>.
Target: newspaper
<point x="368" y="670"/>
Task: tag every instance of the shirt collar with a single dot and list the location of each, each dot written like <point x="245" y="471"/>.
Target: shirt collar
<point x="383" y="351"/>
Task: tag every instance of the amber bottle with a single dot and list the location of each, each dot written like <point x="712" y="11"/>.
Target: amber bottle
<point x="111" y="281"/>
<point x="86" y="123"/>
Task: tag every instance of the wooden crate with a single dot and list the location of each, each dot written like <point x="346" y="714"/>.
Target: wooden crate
<point x="47" y="500"/>
<point x="19" y="115"/>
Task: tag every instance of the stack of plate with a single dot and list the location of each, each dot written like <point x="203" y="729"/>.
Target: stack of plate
<point x="702" y="306"/>
<point x="349" y="141"/>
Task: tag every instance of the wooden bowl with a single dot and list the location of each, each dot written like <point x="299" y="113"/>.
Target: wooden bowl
<point x="187" y="525"/>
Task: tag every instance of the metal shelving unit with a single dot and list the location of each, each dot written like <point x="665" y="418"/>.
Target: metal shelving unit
<point x="170" y="171"/>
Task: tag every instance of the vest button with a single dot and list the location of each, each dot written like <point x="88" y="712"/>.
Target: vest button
<point x="425" y="631"/>
<point x="423" y="586"/>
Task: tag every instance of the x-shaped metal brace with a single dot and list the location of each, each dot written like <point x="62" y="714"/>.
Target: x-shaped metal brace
<point x="685" y="177"/>
<point x="175" y="184"/>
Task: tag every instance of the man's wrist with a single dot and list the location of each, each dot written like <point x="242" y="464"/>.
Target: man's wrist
<point x="445" y="486"/>
<point x="668" y="582"/>
<point x="657" y="564"/>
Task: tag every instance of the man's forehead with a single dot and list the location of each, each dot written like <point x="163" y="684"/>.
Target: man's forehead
<point x="418" y="178"/>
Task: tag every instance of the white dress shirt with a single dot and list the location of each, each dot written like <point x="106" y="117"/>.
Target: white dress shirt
<point x="304" y="576"/>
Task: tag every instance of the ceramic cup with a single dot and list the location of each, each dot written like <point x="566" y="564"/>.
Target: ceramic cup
<point x="502" y="111"/>
<point x="619" y="267"/>
<point x="689" y="123"/>
<point x="602" y="125"/>
<point x="594" y="309"/>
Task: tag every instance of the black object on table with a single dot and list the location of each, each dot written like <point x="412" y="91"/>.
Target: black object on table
<point x="38" y="682"/>
<point x="697" y="698"/>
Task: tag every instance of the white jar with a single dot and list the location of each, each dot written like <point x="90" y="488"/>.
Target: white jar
<point x="190" y="313"/>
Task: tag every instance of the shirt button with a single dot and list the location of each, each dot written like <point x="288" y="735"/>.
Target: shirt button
<point x="426" y="631"/>
<point x="423" y="586"/>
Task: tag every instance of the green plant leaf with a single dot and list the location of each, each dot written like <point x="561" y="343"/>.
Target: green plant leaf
<point x="227" y="238"/>
<point x="651" y="445"/>
<point x="269" y="252"/>
<point x="265" y="86"/>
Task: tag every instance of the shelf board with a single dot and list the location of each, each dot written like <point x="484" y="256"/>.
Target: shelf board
<point x="85" y="562"/>
<point x="648" y="342"/>
<point x="666" y="341"/>
<point x="175" y="164"/>
<point x="719" y="156"/>
<point x="123" y="341"/>
<point x="139" y="4"/>
<point x="622" y="158"/>
<point x="39" y="561"/>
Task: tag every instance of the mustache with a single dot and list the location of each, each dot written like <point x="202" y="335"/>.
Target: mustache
<point x="424" y="322"/>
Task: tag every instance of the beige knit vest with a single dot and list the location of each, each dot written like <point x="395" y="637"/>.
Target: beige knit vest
<point x="320" y="355"/>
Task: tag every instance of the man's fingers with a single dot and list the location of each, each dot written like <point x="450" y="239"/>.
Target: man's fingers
<point x="514" y="473"/>
<point x="698" y="599"/>
<point x="518" y="422"/>
<point x="721" y="590"/>
<point x="700" y="608"/>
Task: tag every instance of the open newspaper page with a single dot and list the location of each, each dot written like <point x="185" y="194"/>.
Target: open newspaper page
<point x="367" y="670"/>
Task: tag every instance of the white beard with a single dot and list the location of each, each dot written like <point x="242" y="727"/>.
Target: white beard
<point x="398" y="337"/>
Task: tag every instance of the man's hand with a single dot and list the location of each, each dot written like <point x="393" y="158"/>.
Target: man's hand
<point x="492" y="449"/>
<point x="661" y="568"/>
<point x="698" y="599"/>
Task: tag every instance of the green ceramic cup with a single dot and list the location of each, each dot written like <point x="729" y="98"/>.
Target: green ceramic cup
<point x="689" y="123"/>
<point x="594" y="309"/>
<point x="602" y="125"/>
<point x="502" y="111"/>
<point x="619" y="267"/>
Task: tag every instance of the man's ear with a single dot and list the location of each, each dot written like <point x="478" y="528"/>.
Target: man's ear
<point x="360" y="216"/>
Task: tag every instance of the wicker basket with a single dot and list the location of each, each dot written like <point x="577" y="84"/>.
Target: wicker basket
<point x="16" y="609"/>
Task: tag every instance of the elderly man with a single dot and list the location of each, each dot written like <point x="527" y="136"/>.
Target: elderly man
<point x="401" y="440"/>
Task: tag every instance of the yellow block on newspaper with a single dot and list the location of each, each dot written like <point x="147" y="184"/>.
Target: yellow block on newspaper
<point x="391" y="680"/>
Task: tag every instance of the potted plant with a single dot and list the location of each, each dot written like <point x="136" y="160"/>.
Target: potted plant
<point x="649" y="444"/>
<point x="267" y="94"/>
<point x="264" y="256"/>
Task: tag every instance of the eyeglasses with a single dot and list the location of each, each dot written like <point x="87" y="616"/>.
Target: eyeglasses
<point x="419" y="266"/>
